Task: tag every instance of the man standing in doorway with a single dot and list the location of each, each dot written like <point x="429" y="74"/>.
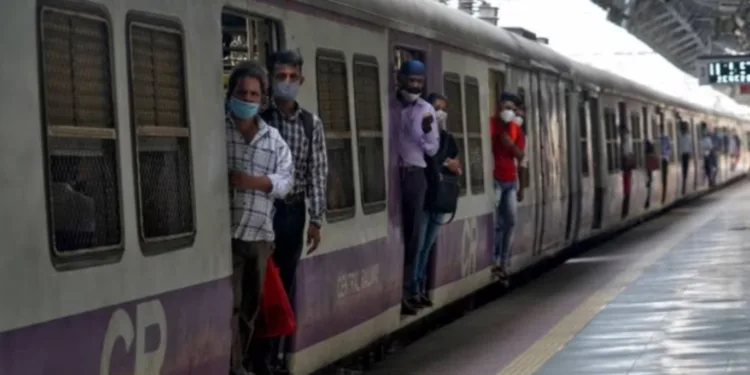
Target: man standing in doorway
<point x="508" y="145"/>
<point x="417" y="133"/>
<point x="303" y="131"/>
<point x="260" y="170"/>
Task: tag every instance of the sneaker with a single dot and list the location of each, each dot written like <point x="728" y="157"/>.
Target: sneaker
<point x="499" y="272"/>
<point x="424" y="300"/>
<point x="408" y="308"/>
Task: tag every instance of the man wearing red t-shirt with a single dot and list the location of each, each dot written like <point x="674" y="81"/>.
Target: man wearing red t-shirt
<point x="508" y="145"/>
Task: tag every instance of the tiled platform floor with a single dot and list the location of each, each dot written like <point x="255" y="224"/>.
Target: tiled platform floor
<point x="668" y="297"/>
<point x="689" y="313"/>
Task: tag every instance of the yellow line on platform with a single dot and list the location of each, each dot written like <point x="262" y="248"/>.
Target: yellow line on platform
<point x="533" y="358"/>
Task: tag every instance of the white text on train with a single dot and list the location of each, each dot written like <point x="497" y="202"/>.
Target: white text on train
<point x="121" y="326"/>
<point x="353" y="282"/>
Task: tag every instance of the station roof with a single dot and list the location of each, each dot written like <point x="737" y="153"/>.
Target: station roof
<point x="682" y="30"/>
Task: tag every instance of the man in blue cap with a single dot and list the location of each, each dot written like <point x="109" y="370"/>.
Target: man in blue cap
<point x="417" y="135"/>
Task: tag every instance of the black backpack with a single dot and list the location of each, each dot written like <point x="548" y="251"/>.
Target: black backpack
<point x="307" y="122"/>
<point x="443" y="187"/>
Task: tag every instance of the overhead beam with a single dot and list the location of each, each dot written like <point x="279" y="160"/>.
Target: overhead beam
<point x="657" y="29"/>
<point x="685" y="24"/>
<point x="651" y="23"/>
<point x="635" y="9"/>
<point x="678" y="44"/>
<point x="667" y="34"/>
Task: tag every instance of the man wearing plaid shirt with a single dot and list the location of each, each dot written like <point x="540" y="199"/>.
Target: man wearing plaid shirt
<point x="303" y="132"/>
<point x="261" y="170"/>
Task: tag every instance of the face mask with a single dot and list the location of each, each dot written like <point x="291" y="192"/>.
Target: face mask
<point x="507" y="114"/>
<point x="442" y="118"/>
<point x="285" y="90"/>
<point x="519" y="120"/>
<point x="409" y="96"/>
<point x="243" y="110"/>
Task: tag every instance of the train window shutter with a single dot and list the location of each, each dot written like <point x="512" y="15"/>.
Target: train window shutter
<point x="162" y="136"/>
<point x="81" y="134"/>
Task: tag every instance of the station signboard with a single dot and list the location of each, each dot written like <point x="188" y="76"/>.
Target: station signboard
<point x="723" y="70"/>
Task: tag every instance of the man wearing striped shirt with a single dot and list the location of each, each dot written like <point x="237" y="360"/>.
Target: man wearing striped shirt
<point x="261" y="170"/>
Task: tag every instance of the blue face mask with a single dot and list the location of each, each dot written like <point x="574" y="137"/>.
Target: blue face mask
<point x="243" y="110"/>
<point x="285" y="90"/>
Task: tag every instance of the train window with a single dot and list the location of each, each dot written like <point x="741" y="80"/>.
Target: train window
<point x="452" y="87"/>
<point x="496" y="84"/>
<point x="333" y="109"/>
<point x="162" y="136"/>
<point x="368" y="115"/>
<point x="81" y="134"/>
<point x="622" y="114"/>
<point x="474" y="135"/>
<point x="246" y="37"/>
<point x="610" y="134"/>
<point x="595" y="124"/>
<point x="637" y="135"/>
<point x="584" y="136"/>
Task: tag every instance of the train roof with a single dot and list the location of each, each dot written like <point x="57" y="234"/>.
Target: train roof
<point x="456" y="28"/>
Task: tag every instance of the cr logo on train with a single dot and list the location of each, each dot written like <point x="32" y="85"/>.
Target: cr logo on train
<point x="122" y="326"/>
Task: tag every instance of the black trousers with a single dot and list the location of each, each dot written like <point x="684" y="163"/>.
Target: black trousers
<point x="685" y="164"/>
<point x="413" y="190"/>
<point x="288" y="226"/>
<point x="664" y="179"/>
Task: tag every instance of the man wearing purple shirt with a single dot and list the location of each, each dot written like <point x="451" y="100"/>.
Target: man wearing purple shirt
<point x="417" y="134"/>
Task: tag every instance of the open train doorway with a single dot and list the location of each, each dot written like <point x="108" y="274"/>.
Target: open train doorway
<point x="405" y="211"/>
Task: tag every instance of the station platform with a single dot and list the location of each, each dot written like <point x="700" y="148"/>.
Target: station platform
<point x="671" y="296"/>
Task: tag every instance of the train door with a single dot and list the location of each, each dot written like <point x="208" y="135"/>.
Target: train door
<point x="599" y="157"/>
<point x="542" y="173"/>
<point x="573" y="152"/>
<point x="586" y="195"/>
<point x="553" y="165"/>
<point x="525" y="233"/>
<point x="638" y="178"/>
<point x="695" y="138"/>
<point x="624" y="170"/>
<point x="648" y="144"/>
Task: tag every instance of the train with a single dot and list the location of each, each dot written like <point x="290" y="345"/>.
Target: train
<point x="117" y="250"/>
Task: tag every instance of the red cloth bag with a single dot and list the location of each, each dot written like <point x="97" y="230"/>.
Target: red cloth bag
<point x="276" y="318"/>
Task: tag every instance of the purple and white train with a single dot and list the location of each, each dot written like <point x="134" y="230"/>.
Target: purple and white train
<point x="114" y="191"/>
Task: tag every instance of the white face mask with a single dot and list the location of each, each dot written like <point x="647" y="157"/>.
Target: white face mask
<point x="409" y="97"/>
<point x="519" y="120"/>
<point x="507" y="114"/>
<point x="442" y="118"/>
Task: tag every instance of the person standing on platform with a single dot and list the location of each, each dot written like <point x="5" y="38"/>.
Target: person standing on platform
<point x="260" y="171"/>
<point x="417" y="134"/>
<point x="303" y="131"/>
<point x="508" y="143"/>
<point x="444" y="161"/>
